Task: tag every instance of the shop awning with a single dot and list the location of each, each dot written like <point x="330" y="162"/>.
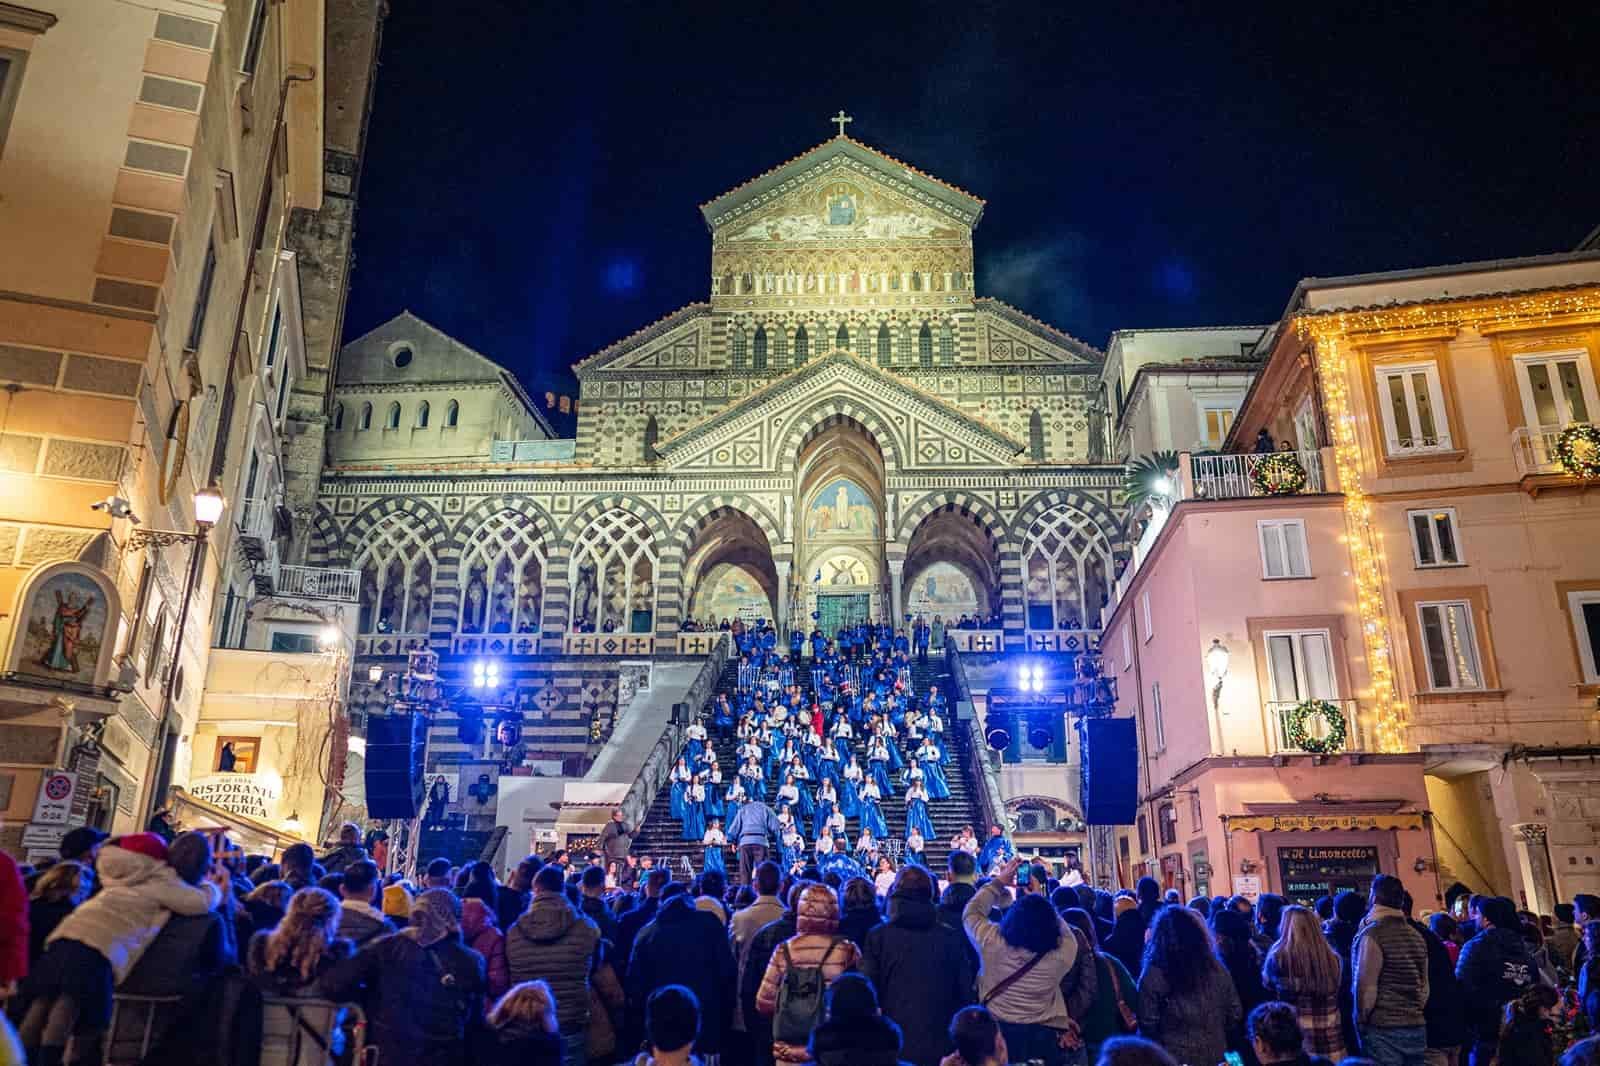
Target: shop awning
<point x="1296" y="823"/>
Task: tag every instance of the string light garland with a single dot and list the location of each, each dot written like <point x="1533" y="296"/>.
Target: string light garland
<point x="1578" y="451"/>
<point x="1278" y="474"/>
<point x="1296" y="718"/>
<point x="1328" y="333"/>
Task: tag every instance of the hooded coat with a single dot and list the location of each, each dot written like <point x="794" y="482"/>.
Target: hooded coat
<point x="554" y="943"/>
<point x="923" y="972"/>
<point x="683" y="946"/>
<point x="479" y="933"/>
<point x="816" y="943"/>
<point x="871" y="1041"/>
<point x="422" y="1003"/>
<point x="362" y="922"/>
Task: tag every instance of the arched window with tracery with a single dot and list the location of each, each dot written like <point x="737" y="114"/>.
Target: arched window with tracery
<point x="397" y="569"/>
<point x="925" y="346"/>
<point x="841" y="339"/>
<point x="885" y="345"/>
<point x="614" y="575"/>
<point x="947" y="345"/>
<point x="758" y="353"/>
<point x="1065" y="564"/>
<point x="802" y="346"/>
<point x="1035" y="435"/>
<point x="739" y="352"/>
<point x="503" y="576"/>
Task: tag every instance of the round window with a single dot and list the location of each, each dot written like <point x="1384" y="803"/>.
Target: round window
<point x="402" y="356"/>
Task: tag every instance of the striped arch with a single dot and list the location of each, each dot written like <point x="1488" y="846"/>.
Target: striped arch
<point x="558" y="561"/>
<point x="1110" y="524"/>
<point x="614" y="501"/>
<point x="690" y="521"/>
<point x="447" y="597"/>
<point x="966" y="504"/>
<point x="433" y="527"/>
<point x="491" y="505"/>
<point x="792" y="437"/>
<point x="327" y="545"/>
<point x="1060" y="806"/>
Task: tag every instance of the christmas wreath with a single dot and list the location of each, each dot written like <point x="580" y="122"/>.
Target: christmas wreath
<point x="1297" y="717"/>
<point x="1578" y="451"/>
<point x="1278" y="474"/>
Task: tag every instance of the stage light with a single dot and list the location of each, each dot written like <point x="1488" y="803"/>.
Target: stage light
<point x="486" y="674"/>
<point x="1030" y="678"/>
<point x="998" y="736"/>
<point x="1039" y="735"/>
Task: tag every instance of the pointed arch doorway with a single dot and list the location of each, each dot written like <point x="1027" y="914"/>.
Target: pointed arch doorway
<point x="839" y="509"/>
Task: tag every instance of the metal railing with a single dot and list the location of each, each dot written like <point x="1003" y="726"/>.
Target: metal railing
<point x="1534" y="449"/>
<point x="991" y="640"/>
<point x="319" y="583"/>
<point x="255" y="518"/>
<point x="982" y="777"/>
<point x="1319" y="732"/>
<point x="1232" y="477"/>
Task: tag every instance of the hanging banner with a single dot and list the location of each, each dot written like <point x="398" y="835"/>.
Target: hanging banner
<point x="1296" y="823"/>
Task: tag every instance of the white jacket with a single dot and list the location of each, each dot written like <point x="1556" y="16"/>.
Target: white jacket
<point x="137" y="896"/>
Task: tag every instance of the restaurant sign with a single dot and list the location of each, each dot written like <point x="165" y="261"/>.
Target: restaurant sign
<point x="1294" y="823"/>
<point x="248" y="794"/>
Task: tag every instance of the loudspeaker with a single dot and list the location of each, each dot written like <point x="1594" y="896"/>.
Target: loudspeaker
<point x="680" y="714"/>
<point x="1110" y="771"/>
<point x="394" y="765"/>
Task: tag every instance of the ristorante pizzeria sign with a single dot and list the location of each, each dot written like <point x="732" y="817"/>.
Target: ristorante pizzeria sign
<point x="245" y="794"/>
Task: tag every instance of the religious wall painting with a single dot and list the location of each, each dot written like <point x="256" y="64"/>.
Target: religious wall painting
<point x="62" y="625"/>
<point x="842" y="510"/>
<point x="730" y="591"/>
<point x="840" y="570"/>
<point x="842" y="210"/>
<point x="944" y="590"/>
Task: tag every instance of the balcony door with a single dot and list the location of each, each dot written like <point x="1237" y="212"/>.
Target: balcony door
<point x="1557" y="389"/>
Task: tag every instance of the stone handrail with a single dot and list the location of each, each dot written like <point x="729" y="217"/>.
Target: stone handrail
<point x="658" y="764"/>
<point x="985" y="782"/>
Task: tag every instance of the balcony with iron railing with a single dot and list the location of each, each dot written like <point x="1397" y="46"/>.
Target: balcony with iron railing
<point x="319" y="583"/>
<point x="1535" y="449"/>
<point x="1315" y="727"/>
<point x="1234" y="477"/>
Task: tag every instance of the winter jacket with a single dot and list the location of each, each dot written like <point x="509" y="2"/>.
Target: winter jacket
<point x="606" y="1003"/>
<point x="362" y="922"/>
<point x="1589" y="992"/>
<point x="628" y="926"/>
<point x="858" y="922"/>
<point x="1035" y="998"/>
<point x="741" y="931"/>
<point x="816" y="943"/>
<point x="683" y="946"/>
<point x="423" y="1004"/>
<point x="1103" y="1020"/>
<point x="285" y="979"/>
<point x="762" y="947"/>
<point x="1495" y="968"/>
<point x="137" y="897"/>
<point x="13" y="922"/>
<point x="615" y="841"/>
<point x="1192" y="1026"/>
<point x="1390" y="964"/>
<point x="1445" y="1014"/>
<point x="479" y="934"/>
<point x="517" y="1046"/>
<point x="1127" y="940"/>
<point x="595" y="909"/>
<point x="923" y="974"/>
<point x="190" y="950"/>
<point x="508" y="906"/>
<point x="43" y="917"/>
<point x="342" y="857"/>
<point x="873" y="1041"/>
<point x="554" y="943"/>
<point x="1527" y="1042"/>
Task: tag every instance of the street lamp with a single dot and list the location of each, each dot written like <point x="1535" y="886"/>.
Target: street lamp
<point x="208" y="507"/>
<point x="1217" y="657"/>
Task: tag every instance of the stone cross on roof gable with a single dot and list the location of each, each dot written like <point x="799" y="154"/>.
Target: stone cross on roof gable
<point x="841" y="119"/>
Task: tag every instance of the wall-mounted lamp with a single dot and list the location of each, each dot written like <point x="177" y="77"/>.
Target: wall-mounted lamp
<point x="1422" y="865"/>
<point x="1217" y="657"/>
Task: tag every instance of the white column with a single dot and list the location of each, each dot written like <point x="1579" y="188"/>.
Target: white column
<point x="897" y="569"/>
<point x="783" y="599"/>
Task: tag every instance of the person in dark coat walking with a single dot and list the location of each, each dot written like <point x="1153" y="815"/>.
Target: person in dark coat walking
<point x="922" y="969"/>
<point x="630" y="924"/>
<point x="682" y="946"/>
<point x="422" y="989"/>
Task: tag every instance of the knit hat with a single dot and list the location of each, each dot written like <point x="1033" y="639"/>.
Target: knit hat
<point x="1124" y="903"/>
<point x="149" y="845"/>
<point x="396" y="901"/>
<point x="851" y="996"/>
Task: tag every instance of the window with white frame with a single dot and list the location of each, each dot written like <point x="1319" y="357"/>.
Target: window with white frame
<point x="1449" y="645"/>
<point x="1557" y="389"/>
<point x="1411" y="402"/>
<point x="1283" y="548"/>
<point x="1215" y="421"/>
<point x="1127" y="646"/>
<point x="1144" y="615"/>
<point x="1433" y="537"/>
<point x="1300" y="666"/>
<point x="1585" y="609"/>
<point x="1158" y="724"/>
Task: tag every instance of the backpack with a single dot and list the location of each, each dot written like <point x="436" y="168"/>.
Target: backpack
<point x="800" y="997"/>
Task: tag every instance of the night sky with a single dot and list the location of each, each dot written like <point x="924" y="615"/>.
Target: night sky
<point x="534" y="170"/>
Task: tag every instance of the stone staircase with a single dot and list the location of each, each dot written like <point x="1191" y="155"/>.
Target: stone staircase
<point x="659" y="836"/>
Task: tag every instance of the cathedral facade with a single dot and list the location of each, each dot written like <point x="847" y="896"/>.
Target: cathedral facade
<point x="844" y="429"/>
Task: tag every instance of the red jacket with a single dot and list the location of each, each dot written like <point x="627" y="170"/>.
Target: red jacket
<point x="13" y="923"/>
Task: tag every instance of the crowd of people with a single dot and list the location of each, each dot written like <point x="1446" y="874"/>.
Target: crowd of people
<point x="808" y="966"/>
<point x="826" y="734"/>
